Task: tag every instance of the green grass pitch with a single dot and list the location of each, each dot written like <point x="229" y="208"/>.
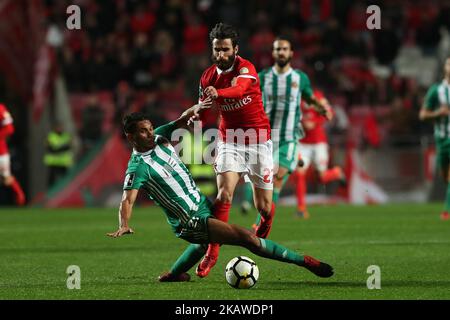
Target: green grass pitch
<point x="408" y="242"/>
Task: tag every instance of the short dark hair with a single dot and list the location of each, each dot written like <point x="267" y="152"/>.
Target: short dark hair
<point x="224" y="31"/>
<point x="130" y="120"/>
<point x="284" y="38"/>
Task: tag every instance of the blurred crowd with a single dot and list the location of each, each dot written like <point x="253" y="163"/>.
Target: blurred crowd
<point x="150" y="53"/>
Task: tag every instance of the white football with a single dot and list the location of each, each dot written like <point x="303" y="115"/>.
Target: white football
<point x="241" y="272"/>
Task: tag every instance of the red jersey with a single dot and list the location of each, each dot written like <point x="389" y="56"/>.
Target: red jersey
<point x="316" y="134"/>
<point x="245" y="112"/>
<point x="6" y="128"/>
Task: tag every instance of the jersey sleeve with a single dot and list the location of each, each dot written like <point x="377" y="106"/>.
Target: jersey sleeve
<point x="431" y="98"/>
<point x="5" y="117"/>
<point x="201" y="87"/>
<point x="247" y="70"/>
<point x="262" y="76"/>
<point x="305" y="86"/>
<point x="135" y="176"/>
<point x="166" y="130"/>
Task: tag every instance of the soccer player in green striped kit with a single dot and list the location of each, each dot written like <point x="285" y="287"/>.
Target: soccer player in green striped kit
<point x="436" y="107"/>
<point x="155" y="168"/>
<point x="282" y="89"/>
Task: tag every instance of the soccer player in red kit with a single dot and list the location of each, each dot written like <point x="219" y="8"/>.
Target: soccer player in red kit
<point x="244" y="147"/>
<point x="313" y="148"/>
<point x="6" y="178"/>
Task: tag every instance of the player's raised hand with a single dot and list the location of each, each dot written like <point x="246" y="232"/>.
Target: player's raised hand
<point x="211" y="92"/>
<point x="120" y="232"/>
<point x="194" y="113"/>
<point x="207" y="103"/>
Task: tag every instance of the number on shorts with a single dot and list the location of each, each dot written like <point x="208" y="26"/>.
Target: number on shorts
<point x="268" y="175"/>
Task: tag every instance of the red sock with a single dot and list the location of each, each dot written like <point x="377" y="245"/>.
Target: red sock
<point x="331" y="175"/>
<point x="221" y="210"/>
<point x="18" y="192"/>
<point x="271" y="214"/>
<point x="301" y="191"/>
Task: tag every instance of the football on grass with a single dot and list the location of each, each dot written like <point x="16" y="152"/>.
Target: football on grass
<point x="241" y="272"/>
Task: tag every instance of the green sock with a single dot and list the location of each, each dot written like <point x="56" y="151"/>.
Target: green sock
<point x="272" y="250"/>
<point x="258" y="219"/>
<point x="248" y="193"/>
<point x="276" y="194"/>
<point x="447" y="198"/>
<point x="285" y="178"/>
<point x="276" y="191"/>
<point x="188" y="258"/>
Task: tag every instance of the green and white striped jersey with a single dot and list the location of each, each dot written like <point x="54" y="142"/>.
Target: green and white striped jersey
<point x="282" y="94"/>
<point x="165" y="178"/>
<point x="439" y="95"/>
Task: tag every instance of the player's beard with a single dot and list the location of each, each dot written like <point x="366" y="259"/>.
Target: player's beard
<point x="224" y="65"/>
<point x="282" y="62"/>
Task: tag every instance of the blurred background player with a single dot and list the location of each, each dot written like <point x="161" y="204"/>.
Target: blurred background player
<point x="6" y="177"/>
<point x="59" y="155"/>
<point x="283" y="89"/>
<point x="436" y="107"/>
<point x="313" y="149"/>
<point x="245" y="147"/>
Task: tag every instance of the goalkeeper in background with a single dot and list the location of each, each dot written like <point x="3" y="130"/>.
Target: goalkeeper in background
<point x="155" y="167"/>
<point x="436" y="107"/>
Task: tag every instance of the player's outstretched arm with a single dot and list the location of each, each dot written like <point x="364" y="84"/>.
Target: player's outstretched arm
<point x="428" y="114"/>
<point x="186" y="118"/>
<point x="193" y="113"/>
<point x="125" y="209"/>
<point x="236" y="91"/>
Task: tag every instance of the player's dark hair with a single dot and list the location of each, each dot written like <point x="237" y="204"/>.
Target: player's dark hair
<point x="130" y="121"/>
<point x="284" y="38"/>
<point x="223" y="31"/>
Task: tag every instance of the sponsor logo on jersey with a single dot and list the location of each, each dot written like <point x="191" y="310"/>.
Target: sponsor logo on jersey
<point x="234" y="104"/>
<point x="281" y="98"/>
<point x="169" y="169"/>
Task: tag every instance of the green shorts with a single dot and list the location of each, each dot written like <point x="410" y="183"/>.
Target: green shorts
<point x="443" y="155"/>
<point x="285" y="155"/>
<point x="196" y="229"/>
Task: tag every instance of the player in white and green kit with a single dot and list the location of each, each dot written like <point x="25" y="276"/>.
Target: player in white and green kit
<point x="155" y="167"/>
<point x="437" y="108"/>
<point x="283" y="88"/>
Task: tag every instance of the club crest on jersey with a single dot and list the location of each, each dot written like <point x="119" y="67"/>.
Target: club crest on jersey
<point x="294" y="84"/>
